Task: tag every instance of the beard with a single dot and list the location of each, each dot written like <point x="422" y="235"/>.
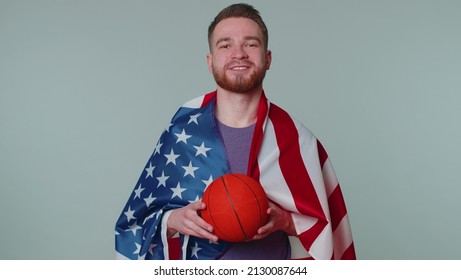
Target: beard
<point x="240" y="83"/>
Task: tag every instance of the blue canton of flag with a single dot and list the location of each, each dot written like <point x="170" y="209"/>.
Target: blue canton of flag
<point x="186" y="159"/>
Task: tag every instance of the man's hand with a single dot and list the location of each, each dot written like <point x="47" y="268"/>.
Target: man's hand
<point x="187" y="221"/>
<point x="279" y="219"/>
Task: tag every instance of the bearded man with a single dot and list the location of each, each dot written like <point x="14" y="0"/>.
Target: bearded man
<point x="235" y="129"/>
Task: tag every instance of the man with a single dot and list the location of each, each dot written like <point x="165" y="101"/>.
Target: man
<point x="235" y="129"/>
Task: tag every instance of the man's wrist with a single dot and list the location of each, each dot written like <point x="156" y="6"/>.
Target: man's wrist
<point x="290" y="225"/>
<point x="166" y="222"/>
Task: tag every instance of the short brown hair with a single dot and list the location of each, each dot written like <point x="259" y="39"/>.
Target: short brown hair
<point x="239" y="10"/>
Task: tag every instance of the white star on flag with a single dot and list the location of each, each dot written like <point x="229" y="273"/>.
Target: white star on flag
<point x="201" y="150"/>
<point x="208" y="182"/>
<point x="129" y="214"/>
<point x="149" y="200"/>
<point x="151" y="247"/>
<point x="138" y="248"/>
<point x="182" y="137"/>
<point x="171" y="158"/>
<point x="138" y="192"/>
<point x="195" y="250"/>
<point x="157" y="148"/>
<point x="189" y="170"/>
<point x="195" y="200"/>
<point x="134" y="227"/>
<point x="149" y="170"/>
<point x="177" y="191"/>
<point x="194" y="118"/>
<point x="162" y="180"/>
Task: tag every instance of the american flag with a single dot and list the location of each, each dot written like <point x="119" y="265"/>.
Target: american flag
<point x="285" y="157"/>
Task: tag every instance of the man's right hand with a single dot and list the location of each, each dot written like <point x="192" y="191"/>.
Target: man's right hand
<point x="187" y="221"/>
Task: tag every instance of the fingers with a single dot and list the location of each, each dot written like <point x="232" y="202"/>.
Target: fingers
<point x="187" y="221"/>
<point x="202" y="228"/>
<point x="264" y="230"/>
<point x="198" y="205"/>
<point x="201" y="232"/>
<point x="270" y="226"/>
<point x="194" y="216"/>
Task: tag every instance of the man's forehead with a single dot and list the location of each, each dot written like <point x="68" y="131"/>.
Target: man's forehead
<point x="240" y="26"/>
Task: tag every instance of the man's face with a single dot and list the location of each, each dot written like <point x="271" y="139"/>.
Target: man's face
<point x="238" y="59"/>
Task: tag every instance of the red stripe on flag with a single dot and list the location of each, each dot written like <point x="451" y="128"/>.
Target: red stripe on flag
<point x="207" y="98"/>
<point x="308" y="237"/>
<point x="292" y="165"/>
<point x="323" y="156"/>
<point x="349" y="254"/>
<point x="337" y="207"/>
<point x="174" y="248"/>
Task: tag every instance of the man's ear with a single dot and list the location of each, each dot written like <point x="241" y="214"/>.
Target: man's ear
<point x="268" y="59"/>
<point x="209" y="59"/>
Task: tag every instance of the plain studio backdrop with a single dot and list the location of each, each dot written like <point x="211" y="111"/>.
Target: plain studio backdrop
<point x="86" y="88"/>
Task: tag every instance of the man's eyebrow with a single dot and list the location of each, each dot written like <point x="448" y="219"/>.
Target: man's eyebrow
<point x="246" y="38"/>
<point x="220" y="40"/>
<point x="249" y="38"/>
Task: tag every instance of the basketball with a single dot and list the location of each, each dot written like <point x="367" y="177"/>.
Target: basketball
<point x="236" y="207"/>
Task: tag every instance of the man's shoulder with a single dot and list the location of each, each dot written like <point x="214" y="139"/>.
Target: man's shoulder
<point x="288" y="120"/>
<point x="192" y="109"/>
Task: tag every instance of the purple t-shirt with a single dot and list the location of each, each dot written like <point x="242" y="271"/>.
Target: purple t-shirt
<point x="237" y="142"/>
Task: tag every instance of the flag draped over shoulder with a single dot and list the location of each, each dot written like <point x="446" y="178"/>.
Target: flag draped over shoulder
<point x="287" y="159"/>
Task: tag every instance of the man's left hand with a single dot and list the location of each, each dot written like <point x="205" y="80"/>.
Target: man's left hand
<point x="278" y="219"/>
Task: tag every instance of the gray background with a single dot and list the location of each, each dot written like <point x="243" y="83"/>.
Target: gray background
<point x="86" y="87"/>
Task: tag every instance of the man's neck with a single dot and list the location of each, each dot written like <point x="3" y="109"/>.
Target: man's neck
<point x="237" y="109"/>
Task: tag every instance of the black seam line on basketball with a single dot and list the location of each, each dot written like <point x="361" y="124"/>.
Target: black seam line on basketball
<point x="233" y="208"/>
<point x="254" y="194"/>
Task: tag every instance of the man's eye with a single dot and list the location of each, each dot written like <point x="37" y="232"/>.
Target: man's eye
<point x="224" y="46"/>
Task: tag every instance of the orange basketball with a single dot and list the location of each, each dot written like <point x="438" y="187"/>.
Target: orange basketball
<point x="236" y="207"/>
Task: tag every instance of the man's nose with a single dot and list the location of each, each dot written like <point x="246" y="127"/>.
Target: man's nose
<point x="239" y="53"/>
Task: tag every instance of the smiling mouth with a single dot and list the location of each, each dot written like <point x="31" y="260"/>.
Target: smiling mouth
<point x="239" y="68"/>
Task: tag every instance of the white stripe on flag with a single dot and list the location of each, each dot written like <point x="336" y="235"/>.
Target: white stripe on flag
<point x="342" y="237"/>
<point x="322" y="248"/>
<point x="194" y="103"/>
<point x="272" y="178"/>
<point x="164" y="236"/>
<point x="329" y="175"/>
<point x="311" y="160"/>
<point x="297" y="248"/>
